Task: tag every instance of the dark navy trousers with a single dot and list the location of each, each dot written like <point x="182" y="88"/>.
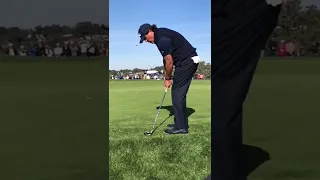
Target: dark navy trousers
<point x="238" y="36"/>
<point x="181" y="82"/>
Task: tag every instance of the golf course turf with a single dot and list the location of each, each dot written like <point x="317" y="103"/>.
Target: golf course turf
<point x="281" y="122"/>
<point x="54" y="120"/>
<point x="133" y="107"/>
<point x="54" y="124"/>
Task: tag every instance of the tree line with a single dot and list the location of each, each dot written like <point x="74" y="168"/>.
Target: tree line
<point x="54" y="31"/>
<point x="300" y="25"/>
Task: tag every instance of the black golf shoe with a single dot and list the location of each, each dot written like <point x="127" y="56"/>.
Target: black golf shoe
<point x="171" y="125"/>
<point x="176" y="131"/>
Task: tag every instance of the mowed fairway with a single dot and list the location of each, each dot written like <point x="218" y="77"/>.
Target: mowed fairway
<point x="134" y="156"/>
<point x="281" y="116"/>
<point x="54" y="120"/>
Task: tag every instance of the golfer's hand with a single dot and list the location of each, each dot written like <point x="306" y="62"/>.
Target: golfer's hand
<point x="167" y="83"/>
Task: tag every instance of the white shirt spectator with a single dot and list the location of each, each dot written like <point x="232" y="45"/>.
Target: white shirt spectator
<point x="11" y="52"/>
<point x="58" y="50"/>
<point x="49" y="52"/>
<point x="84" y="47"/>
<point x="22" y="53"/>
<point x="92" y="50"/>
<point x="74" y="51"/>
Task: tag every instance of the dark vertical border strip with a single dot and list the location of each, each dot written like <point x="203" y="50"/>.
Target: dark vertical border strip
<point x="107" y="81"/>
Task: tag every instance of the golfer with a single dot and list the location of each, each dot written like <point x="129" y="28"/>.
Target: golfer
<point x="235" y="56"/>
<point x="178" y="52"/>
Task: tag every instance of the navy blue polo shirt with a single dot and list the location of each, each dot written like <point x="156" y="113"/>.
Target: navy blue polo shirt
<point x="172" y="42"/>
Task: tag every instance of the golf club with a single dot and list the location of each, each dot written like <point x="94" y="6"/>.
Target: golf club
<point x="155" y="120"/>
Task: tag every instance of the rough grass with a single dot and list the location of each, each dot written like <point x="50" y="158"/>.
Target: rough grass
<point x="137" y="157"/>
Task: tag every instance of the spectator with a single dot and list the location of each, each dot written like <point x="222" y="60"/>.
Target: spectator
<point x="66" y="52"/>
<point x="97" y="50"/>
<point x="74" y="49"/>
<point x="78" y="50"/>
<point x="57" y="50"/>
<point x="91" y="50"/>
<point x="102" y="50"/>
<point x="84" y="46"/>
<point x="32" y="50"/>
<point x="41" y="50"/>
<point x="11" y="50"/>
<point x="23" y="51"/>
<point x="48" y="51"/>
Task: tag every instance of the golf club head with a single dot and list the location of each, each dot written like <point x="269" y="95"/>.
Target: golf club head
<point x="148" y="133"/>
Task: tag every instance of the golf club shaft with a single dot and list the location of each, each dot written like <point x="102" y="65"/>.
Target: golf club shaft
<point x="155" y="120"/>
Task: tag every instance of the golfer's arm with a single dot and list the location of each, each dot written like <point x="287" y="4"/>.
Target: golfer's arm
<point x="168" y="65"/>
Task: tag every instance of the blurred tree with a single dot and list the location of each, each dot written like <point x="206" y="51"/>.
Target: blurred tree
<point x="299" y="24"/>
<point x="204" y="68"/>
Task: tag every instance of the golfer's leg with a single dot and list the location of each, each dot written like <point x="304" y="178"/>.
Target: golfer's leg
<point x="179" y="102"/>
<point x="181" y="82"/>
<point x="227" y="128"/>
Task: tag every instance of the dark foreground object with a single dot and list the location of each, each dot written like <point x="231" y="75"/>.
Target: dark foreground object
<point x="253" y="157"/>
<point x="242" y="28"/>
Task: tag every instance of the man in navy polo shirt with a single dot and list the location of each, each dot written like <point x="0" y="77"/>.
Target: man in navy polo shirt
<point x="178" y="52"/>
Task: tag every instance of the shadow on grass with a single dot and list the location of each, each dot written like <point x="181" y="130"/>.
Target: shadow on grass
<point x="253" y="157"/>
<point x="171" y="113"/>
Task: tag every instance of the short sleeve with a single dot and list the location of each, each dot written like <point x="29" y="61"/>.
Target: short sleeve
<point x="164" y="46"/>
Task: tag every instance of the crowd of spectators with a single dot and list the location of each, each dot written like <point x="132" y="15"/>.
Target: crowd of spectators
<point x="65" y="49"/>
<point x="67" y="42"/>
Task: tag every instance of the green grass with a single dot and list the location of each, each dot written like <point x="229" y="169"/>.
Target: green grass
<point x="54" y="123"/>
<point x="281" y="117"/>
<point x="54" y="120"/>
<point x="137" y="157"/>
